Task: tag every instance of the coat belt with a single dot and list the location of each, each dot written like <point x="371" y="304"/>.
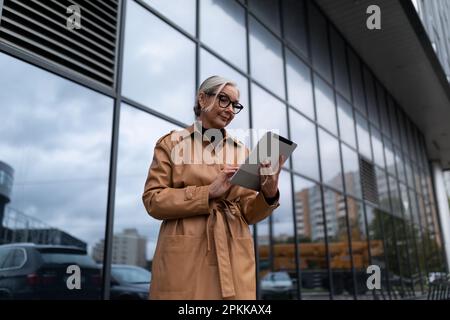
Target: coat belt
<point x="223" y="208"/>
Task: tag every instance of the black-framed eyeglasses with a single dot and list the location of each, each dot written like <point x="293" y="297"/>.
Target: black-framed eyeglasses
<point x="225" y="101"/>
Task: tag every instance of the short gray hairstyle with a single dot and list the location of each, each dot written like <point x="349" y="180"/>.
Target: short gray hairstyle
<point x="213" y="84"/>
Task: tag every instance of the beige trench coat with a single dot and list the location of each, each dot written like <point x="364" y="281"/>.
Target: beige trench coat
<point x="205" y="248"/>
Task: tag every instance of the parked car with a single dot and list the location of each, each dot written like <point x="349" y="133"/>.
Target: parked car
<point x="32" y="271"/>
<point x="277" y="285"/>
<point x="129" y="282"/>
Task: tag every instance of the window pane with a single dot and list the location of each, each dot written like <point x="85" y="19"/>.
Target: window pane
<point x="357" y="82"/>
<point x="210" y="65"/>
<point x="326" y="111"/>
<point x="385" y="127"/>
<point x="362" y="128"/>
<point x="304" y="158"/>
<point x="295" y="26"/>
<point x="351" y="171"/>
<point x="182" y="12"/>
<point x="346" y="123"/>
<point x="395" y="197"/>
<point x="228" y="37"/>
<point x="319" y="42"/>
<point x="340" y="64"/>
<point x="383" y="191"/>
<point x="390" y="160"/>
<point x="393" y="121"/>
<point x="283" y="239"/>
<point x="56" y="136"/>
<point x="338" y="244"/>
<point x="151" y="59"/>
<point x="378" y="245"/>
<point x="360" y="251"/>
<point x="311" y="237"/>
<point x="265" y="51"/>
<point x="377" y="147"/>
<point x="135" y="235"/>
<point x="400" y="165"/>
<point x="299" y="85"/>
<point x="370" y="94"/>
<point x="268" y="12"/>
<point x="263" y="104"/>
<point x="330" y="160"/>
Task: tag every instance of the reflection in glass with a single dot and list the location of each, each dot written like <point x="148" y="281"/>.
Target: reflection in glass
<point x="299" y="85"/>
<point x="351" y="171"/>
<point x="210" y="65"/>
<point x="158" y="54"/>
<point x="283" y="240"/>
<point x="311" y="237"/>
<point x="370" y="95"/>
<point x="135" y="232"/>
<point x="223" y="29"/>
<point x="381" y="97"/>
<point x="340" y="64"/>
<point x="362" y="129"/>
<point x="393" y="121"/>
<point x="400" y="165"/>
<point x="326" y="111"/>
<point x="264" y="104"/>
<point x="294" y="25"/>
<point x="390" y="160"/>
<point x="357" y="82"/>
<point x="319" y="42"/>
<point x="396" y="203"/>
<point x="330" y="160"/>
<point x="305" y="159"/>
<point x="360" y="250"/>
<point x="264" y="251"/>
<point x="338" y="245"/>
<point x="346" y="123"/>
<point x="383" y="191"/>
<point x="56" y="137"/>
<point x="268" y="12"/>
<point x="266" y="61"/>
<point x="377" y="147"/>
<point x="377" y="247"/>
<point x="182" y="12"/>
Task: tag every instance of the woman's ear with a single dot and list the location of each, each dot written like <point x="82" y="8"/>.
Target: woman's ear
<point x="201" y="99"/>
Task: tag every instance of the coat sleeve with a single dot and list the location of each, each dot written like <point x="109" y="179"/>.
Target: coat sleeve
<point x="255" y="207"/>
<point x="164" y="202"/>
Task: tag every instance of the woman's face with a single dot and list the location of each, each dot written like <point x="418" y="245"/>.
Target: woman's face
<point x="214" y="116"/>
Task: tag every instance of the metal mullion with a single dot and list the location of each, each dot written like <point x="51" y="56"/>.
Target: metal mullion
<point x="324" y="220"/>
<point x="1" y="9"/>
<point x="250" y="101"/>
<point x="349" y="238"/>
<point x="106" y="50"/>
<point x="112" y="180"/>
<point x="294" y="217"/>
<point x="111" y="16"/>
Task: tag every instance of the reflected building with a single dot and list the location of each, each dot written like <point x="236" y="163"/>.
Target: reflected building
<point x="370" y="119"/>
<point x="129" y="247"/>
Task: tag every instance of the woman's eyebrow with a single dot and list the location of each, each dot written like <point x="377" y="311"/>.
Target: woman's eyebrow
<point x="236" y="101"/>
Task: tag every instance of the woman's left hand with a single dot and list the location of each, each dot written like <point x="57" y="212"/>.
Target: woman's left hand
<point x="269" y="177"/>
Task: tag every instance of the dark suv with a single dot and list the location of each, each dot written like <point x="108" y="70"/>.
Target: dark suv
<point x="31" y="271"/>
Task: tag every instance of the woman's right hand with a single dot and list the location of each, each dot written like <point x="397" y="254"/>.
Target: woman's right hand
<point x="221" y="184"/>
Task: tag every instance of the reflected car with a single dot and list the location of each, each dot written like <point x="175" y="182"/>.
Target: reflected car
<point x="129" y="282"/>
<point x="31" y="271"/>
<point x="277" y="285"/>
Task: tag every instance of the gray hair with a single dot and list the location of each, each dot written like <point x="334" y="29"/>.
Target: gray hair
<point x="211" y="85"/>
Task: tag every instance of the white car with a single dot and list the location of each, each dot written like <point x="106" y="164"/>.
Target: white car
<point x="277" y="283"/>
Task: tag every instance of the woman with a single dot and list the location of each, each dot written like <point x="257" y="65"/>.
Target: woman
<point x="205" y="248"/>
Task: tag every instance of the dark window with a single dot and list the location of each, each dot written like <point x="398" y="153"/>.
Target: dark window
<point x="368" y="181"/>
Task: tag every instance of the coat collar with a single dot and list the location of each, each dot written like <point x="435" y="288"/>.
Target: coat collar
<point x="196" y="128"/>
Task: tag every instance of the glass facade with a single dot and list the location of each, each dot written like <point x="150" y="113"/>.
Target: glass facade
<point x="290" y="63"/>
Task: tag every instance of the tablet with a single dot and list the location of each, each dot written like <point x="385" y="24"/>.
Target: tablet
<point x="270" y="146"/>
